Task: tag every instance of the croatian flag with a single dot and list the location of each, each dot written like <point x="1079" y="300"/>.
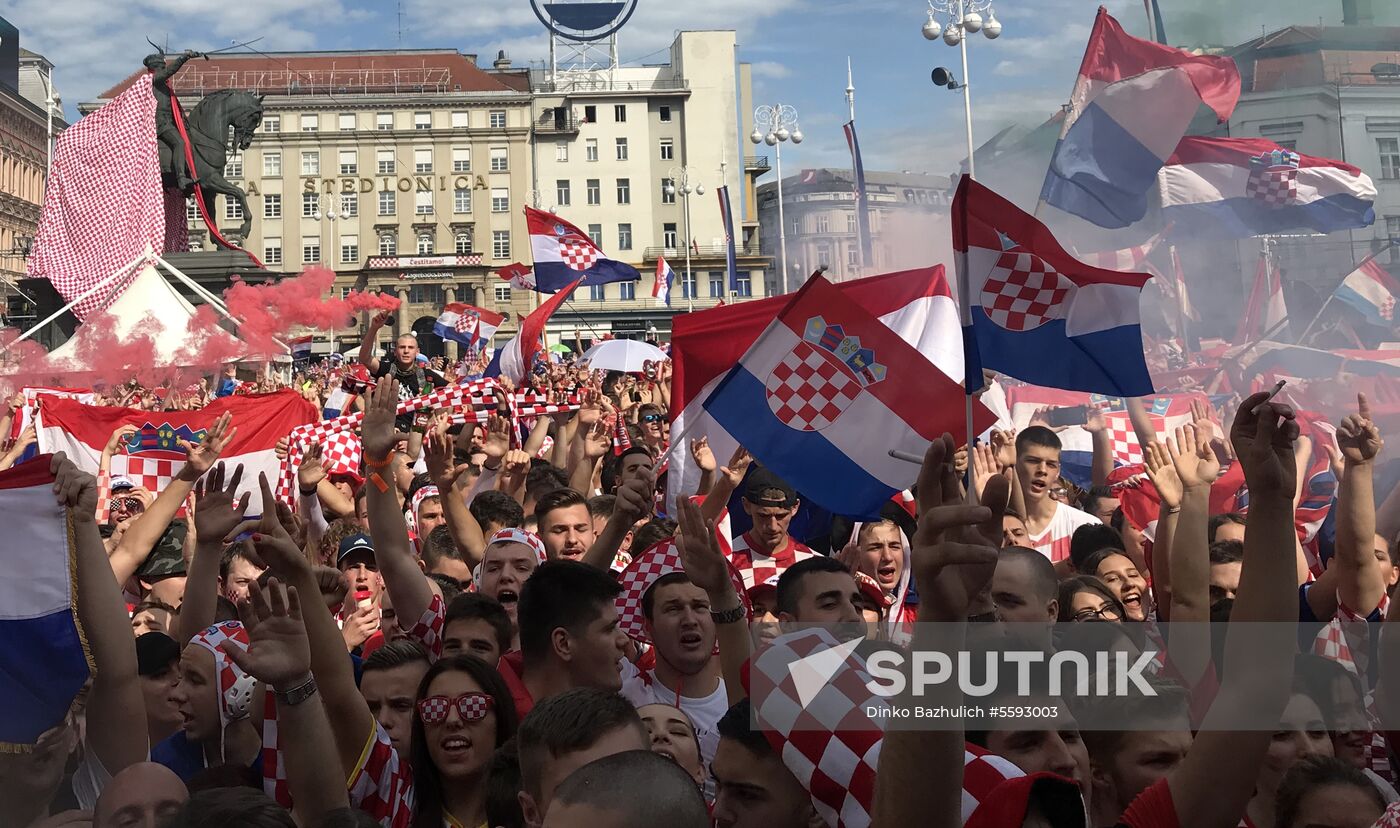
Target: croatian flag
<point x="43" y="660"/>
<point x="1036" y="313"/>
<point x="301" y="347"/>
<point x="516" y="357"/>
<point x="467" y="324"/>
<point x="1233" y="188"/>
<point x="726" y="219"/>
<point x="563" y="254"/>
<point x="1265" y="310"/>
<point x="1130" y="106"/>
<point x="1371" y="291"/>
<point x="152" y="457"/>
<point x="519" y="275"/>
<point x="662" y="289"/>
<point x="862" y="199"/>
<point x="916" y="304"/>
<point x="338" y="402"/>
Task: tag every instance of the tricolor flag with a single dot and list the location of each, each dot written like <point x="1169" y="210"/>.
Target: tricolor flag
<point x="1032" y="311"/>
<point x="1233" y="188"/>
<point x="862" y="202"/>
<point x="1372" y="291"/>
<point x="824" y="393"/>
<point x="1265" y="311"/>
<point x="152" y="457"/>
<point x="519" y="275"/>
<point x="662" y="289"/>
<point x="1130" y="106"/>
<point x="726" y="218"/>
<point x="338" y="402"/>
<point x="516" y="357"/>
<point x="300" y="347"/>
<point x="43" y="657"/>
<point x="564" y="254"/>
<point x="467" y="324"/>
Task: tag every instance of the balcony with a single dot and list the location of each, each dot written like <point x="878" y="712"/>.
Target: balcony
<point x="703" y="251"/>
<point x="756" y="164"/>
<point x="558" y="121"/>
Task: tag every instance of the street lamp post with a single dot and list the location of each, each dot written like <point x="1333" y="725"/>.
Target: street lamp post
<point x="772" y="125"/>
<point x="681" y="183"/>
<point x="965" y="17"/>
<point x="331" y="215"/>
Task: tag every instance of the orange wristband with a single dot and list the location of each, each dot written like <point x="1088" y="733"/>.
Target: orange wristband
<point x="379" y="483"/>
<point x="387" y="460"/>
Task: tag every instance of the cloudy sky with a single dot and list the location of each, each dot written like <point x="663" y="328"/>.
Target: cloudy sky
<point x="798" y="49"/>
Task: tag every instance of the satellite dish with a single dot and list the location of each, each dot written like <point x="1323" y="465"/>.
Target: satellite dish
<point x="584" y="20"/>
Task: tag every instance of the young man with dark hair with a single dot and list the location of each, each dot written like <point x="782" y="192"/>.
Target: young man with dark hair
<point x="236" y="571"/>
<point x="566" y="527"/>
<point x="1024" y="588"/>
<point x="567" y="731"/>
<point x="819" y="590"/>
<point x="1090" y="539"/>
<point x="569" y="636"/>
<point x="767" y="549"/>
<point x="632" y="463"/>
<point x="588" y="797"/>
<point x="1226" y="526"/>
<point x="1100" y="501"/>
<point x="540" y="480"/>
<point x="753" y="788"/>
<point x="1049" y="521"/>
<point x="389" y="682"/>
<point x="440" y="556"/>
<point x="1013" y="531"/>
<point x="1226" y="560"/>
<point x="600" y="508"/>
<point x="496" y="510"/>
<point x="476" y="625"/>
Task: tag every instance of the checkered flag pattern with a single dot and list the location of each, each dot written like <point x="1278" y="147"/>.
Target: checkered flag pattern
<point x="661" y="558"/>
<point x="983" y="771"/>
<point x="103" y="205"/>
<point x="1023" y="292"/>
<point x="1126" y="451"/>
<point x="382" y="785"/>
<point x="807" y="391"/>
<point x="434" y="708"/>
<point x="578" y="254"/>
<point x="1275" y="186"/>
<point x="830" y="744"/>
<point x="1345" y="640"/>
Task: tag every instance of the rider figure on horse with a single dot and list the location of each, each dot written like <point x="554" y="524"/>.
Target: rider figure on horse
<point x="166" y="130"/>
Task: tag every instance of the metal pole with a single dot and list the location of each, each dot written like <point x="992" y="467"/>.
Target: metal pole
<point x="782" y="224"/>
<point x="967" y="106"/>
<point x="48" y="121"/>
<point x="851" y="108"/>
<point x="689" y="279"/>
<point x="105" y="282"/>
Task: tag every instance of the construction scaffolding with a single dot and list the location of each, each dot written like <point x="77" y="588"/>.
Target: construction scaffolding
<point x="194" y="80"/>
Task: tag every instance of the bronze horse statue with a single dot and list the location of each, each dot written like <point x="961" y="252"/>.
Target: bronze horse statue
<point x="207" y="126"/>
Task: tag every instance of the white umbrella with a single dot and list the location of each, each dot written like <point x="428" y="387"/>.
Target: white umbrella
<point x="627" y="355"/>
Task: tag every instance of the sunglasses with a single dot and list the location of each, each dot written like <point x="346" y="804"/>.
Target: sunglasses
<point x="651" y="418"/>
<point x="472" y="707"/>
<point x="125" y="504"/>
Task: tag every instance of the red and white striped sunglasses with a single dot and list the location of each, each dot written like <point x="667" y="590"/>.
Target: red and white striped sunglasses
<point x="472" y="707"/>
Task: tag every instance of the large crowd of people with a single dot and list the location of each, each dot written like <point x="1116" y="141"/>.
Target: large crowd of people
<point x="484" y="628"/>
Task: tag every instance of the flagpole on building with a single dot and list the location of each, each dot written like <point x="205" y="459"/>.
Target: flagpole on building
<point x="1333" y="294"/>
<point x="851" y="110"/>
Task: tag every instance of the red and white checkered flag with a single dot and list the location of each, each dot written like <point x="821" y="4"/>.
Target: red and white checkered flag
<point x="103" y="205"/>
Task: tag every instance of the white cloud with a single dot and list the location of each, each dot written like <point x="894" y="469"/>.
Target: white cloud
<point x="771" y="69"/>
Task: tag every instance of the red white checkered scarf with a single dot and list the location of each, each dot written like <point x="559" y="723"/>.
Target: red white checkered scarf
<point x="417" y="500"/>
<point x="650" y="565"/>
<point x="234" y="686"/>
<point x="513" y="535"/>
<point x="1345" y="640"/>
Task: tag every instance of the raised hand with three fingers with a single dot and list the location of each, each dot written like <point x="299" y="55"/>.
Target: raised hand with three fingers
<point x="200" y="458"/>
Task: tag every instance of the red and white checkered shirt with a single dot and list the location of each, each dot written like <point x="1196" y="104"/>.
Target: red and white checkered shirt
<point x="1054" y="541"/>
<point x="757" y="566"/>
<point x="382" y="783"/>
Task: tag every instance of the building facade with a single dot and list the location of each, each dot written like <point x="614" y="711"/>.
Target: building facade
<point x="819" y="209"/>
<point x="25" y="132"/>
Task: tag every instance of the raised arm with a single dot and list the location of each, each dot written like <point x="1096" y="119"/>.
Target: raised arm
<point x="369" y="346"/>
<point x="707" y="568"/>
<point x="1360" y="577"/>
<point x="117" y="737"/>
<point x="704" y="459"/>
<point x="1102" y="462"/>
<point x="216" y="516"/>
<point x="393" y="552"/>
<point x="466" y="532"/>
<point x="1141" y="420"/>
<point x="634" y="502"/>
<point x="1164" y="478"/>
<point x="595" y="444"/>
<point x="726" y="482"/>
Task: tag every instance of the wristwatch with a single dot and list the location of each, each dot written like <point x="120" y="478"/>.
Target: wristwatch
<point x="299" y="693"/>
<point x="730" y="616"/>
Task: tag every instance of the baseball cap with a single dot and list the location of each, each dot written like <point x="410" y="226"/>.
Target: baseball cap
<point x="767" y="587"/>
<point x="1055" y="797"/>
<point x="121" y="481"/>
<point x="767" y="489"/>
<point x="167" y="558"/>
<point x="154" y="653"/>
<point x="358" y="544"/>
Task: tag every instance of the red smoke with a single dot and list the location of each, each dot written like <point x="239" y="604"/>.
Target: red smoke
<point x="270" y="311"/>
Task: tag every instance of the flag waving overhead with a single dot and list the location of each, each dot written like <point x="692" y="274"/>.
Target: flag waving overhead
<point x="662" y="289"/>
<point x="826" y="391"/>
<point x="1233" y="188"/>
<point x="467" y="324"/>
<point x="519" y="275"/>
<point x="43" y="658"/>
<point x="1034" y="312"/>
<point x="514" y="359"/>
<point x="862" y="200"/>
<point x="103" y="205"/>
<point x="563" y="253"/>
<point x="1132" y="102"/>
<point x="1372" y="291"/>
<point x="726" y="218"/>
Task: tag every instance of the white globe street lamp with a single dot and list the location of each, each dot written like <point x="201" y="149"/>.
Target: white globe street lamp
<point x="682" y="181"/>
<point x="774" y="125"/>
<point x="964" y="18"/>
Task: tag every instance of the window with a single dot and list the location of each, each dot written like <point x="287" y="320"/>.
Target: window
<point x="425" y="294"/>
<point x="627" y="290"/>
<point x="272" y="163"/>
<point x="233" y="211"/>
<point x="462" y="243"/>
<point x="310" y="205"/>
<point x="1389" y="149"/>
<point x="422" y="120"/>
<point x="271" y="123"/>
<point x="425" y="243"/>
<point x="499" y="159"/>
<point x="624" y="191"/>
<point x="461" y="120"/>
<point x="716" y="285"/>
<point x="349" y="249"/>
<point x="1392" y="228"/>
<point x="624" y="237"/>
<point x="347" y="122"/>
<point x="561" y="151"/>
<point x="191" y="210"/>
<point x="349" y="205"/>
<point x="743" y="284"/>
<point x="619" y="112"/>
<point x="384" y="161"/>
<point x="622" y="149"/>
<point x="664" y="113"/>
<point x="310" y="249"/>
<point x="561" y="192"/>
<point x="590" y="114"/>
<point x="423" y="203"/>
<point x="851" y="223"/>
<point x="500" y="245"/>
<point x="497" y="119"/>
<point x="823" y="223"/>
<point x="668" y="196"/>
<point x="272" y="206"/>
<point x="388" y="202"/>
<point x="590" y="149"/>
<point x="384" y="120"/>
<point x="1288" y="145"/>
<point x="349" y="162"/>
<point x="462" y="200"/>
<point x="595" y="232"/>
<point x="597" y="293"/>
<point x="423" y="159"/>
<point x="310" y="123"/>
<point x="311" y="163"/>
<point x="272" y="250"/>
<point x="502" y="294"/>
<point x="668" y="235"/>
<point x="500" y="200"/>
<point x="388" y="244"/>
<point x="593" y="190"/>
<point x="668" y="149"/>
<point x="461" y="159"/>
<point x="233" y="168"/>
<point x="688" y="285"/>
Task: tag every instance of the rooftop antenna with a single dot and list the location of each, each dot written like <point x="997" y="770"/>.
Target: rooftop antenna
<point x="400" y="6"/>
<point x="850" y="90"/>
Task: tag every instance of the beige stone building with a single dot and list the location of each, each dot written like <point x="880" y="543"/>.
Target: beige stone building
<point x="24" y="137"/>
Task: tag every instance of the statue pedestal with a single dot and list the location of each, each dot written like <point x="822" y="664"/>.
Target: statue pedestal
<point x="214" y="270"/>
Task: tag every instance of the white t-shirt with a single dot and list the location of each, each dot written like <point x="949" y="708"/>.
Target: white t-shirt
<point x="1053" y="543"/>
<point x="704" y="711"/>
